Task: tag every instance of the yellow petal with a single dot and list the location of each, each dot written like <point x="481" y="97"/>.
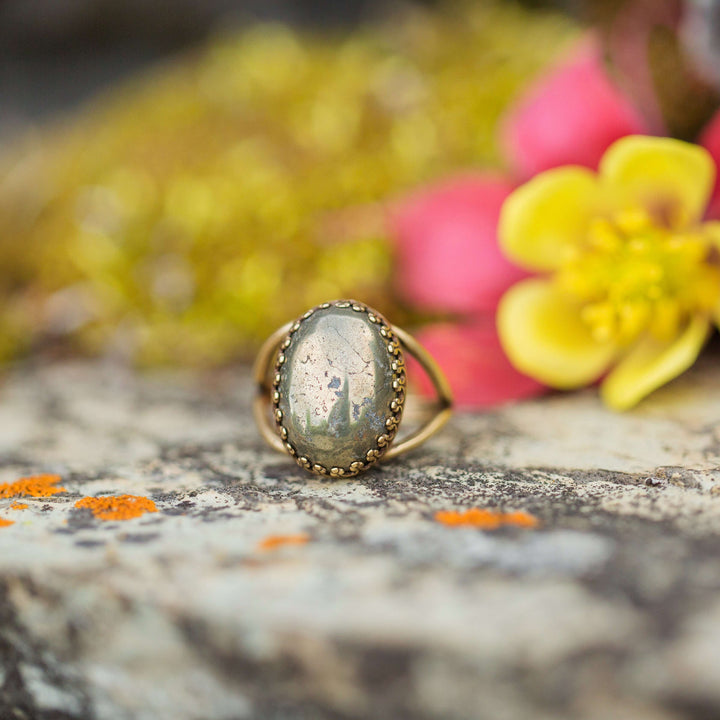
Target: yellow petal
<point x="544" y="336"/>
<point x="652" y="363"/>
<point x="671" y="178"/>
<point x="546" y="215"/>
<point x="711" y="230"/>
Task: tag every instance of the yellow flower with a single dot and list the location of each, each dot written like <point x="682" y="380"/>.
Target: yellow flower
<point x="631" y="273"/>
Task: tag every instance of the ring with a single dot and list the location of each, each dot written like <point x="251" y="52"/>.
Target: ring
<point x="331" y="388"/>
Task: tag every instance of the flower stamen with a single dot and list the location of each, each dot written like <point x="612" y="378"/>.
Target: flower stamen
<point x="633" y="275"/>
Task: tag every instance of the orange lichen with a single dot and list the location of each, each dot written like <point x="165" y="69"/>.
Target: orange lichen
<point x="5" y="523"/>
<point x="37" y="486"/>
<point x="19" y="506"/>
<point x="485" y="519"/>
<point x="117" y="507"/>
<point x="273" y="542"/>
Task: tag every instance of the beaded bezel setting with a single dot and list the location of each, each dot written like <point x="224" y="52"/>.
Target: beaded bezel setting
<point x="393" y="412"/>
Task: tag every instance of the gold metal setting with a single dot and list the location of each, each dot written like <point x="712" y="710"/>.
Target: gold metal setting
<point x="268" y="374"/>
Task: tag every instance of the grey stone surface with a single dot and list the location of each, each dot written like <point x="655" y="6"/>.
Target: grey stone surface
<point x="610" y="609"/>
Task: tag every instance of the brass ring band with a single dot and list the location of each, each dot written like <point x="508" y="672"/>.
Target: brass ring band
<point x="273" y="374"/>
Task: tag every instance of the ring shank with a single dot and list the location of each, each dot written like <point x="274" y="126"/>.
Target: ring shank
<point x="261" y="372"/>
<point x="442" y="407"/>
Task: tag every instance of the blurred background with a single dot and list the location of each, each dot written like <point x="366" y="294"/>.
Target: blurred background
<point x="179" y="178"/>
<point x="54" y="54"/>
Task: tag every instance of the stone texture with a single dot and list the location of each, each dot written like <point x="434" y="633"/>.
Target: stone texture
<point x="609" y="609"/>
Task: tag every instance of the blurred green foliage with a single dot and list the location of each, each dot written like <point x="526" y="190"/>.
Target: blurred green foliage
<point x="183" y="216"/>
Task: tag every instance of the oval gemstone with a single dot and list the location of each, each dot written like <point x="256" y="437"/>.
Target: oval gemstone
<point x="336" y="387"/>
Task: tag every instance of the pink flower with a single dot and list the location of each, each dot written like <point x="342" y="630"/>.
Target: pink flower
<point x="710" y="140"/>
<point x="570" y="117"/>
<point x="475" y="363"/>
<point x="447" y="248"/>
<point x="448" y="260"/>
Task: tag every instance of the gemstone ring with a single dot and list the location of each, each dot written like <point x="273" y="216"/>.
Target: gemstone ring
<point x="332" y="387"/>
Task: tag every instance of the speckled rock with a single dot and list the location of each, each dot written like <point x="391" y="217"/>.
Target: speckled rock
<point x="609" y="609"/>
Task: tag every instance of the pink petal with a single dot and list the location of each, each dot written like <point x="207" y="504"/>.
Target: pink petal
<point x="448" y="257"/>
<point x="710" y="140"/>
<point x="570" y="116"/>
<point x="474" y="362"/>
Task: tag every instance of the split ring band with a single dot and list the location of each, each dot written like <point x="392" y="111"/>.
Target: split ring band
<point x="332" y="386"/>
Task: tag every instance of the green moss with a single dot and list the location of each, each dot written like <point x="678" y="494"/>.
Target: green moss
<point x="183" y="216"/>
